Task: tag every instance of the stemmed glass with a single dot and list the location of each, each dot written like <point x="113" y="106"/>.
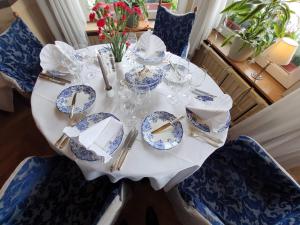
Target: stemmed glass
<point x="179" y="79"/>
<point x="127" y="104"/>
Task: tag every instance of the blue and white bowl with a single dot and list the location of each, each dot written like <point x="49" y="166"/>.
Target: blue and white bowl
<point x="144" y="81"/>
<point x="85" y="99"/>
<point x="166" y="139"/>
<point x="81" y="152"/>
<point x="204" y="127"/>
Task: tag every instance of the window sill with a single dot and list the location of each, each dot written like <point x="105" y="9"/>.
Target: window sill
<point x="92" y="29"/>
<point x="268" y="87"/>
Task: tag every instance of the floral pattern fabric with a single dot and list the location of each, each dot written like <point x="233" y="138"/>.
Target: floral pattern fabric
<point x="19" y="55"/>
<point x="174" y="30"/>
<point x="53" y="191"/>
<point x="241" y="184"/>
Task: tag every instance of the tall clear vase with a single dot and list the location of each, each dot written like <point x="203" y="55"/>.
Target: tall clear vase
<point x="120" y="76"/>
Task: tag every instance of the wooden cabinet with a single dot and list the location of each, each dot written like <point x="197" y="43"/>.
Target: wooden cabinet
<point x="246" y="101"/>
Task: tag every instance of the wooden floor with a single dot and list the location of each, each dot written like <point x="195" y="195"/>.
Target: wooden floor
<point x="20" y="138"/>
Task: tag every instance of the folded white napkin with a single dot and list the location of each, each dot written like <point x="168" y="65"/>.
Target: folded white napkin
<point x="150" y="44"/>
<point x="212" y="113"/>
<point x="98" y="137"/>
<point x="53" y="58"/>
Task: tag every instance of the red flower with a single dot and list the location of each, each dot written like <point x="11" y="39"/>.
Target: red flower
<point x="137" y="10"/>
<point x="92" y="16"/>
<point x="123" y="18"/>
<point x="102" y="37"/>
<point x="124" y="33"/>
<point x="98" y="5"/>
<point x="101" y="22"/>
<point x="106" y="8"/>
<point x="127" y="44"/>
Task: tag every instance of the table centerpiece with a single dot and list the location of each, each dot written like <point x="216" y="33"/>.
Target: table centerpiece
<point x="111" y="21"/>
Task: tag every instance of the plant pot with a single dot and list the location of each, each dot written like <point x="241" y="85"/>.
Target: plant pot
<point x="240" y="50"/>
<point x="133" y="21"/>
<point x="168" y="5"/>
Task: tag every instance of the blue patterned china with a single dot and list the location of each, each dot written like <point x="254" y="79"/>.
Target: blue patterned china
<point x="144" y="78"/>
<point x="166" y="139"/>
<point x="192" y="117"/>
<point x="154" y="59"/>
<point x="81" y="152"/>
<point x="86" y="97"/>
<point x="205" y="98"/>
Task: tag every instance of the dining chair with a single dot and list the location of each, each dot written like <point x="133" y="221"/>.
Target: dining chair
<point x="19" y="56"/>
<point x="174" y="30"/>
<point x="240" y="183"/>
<point x="52" y="190"/>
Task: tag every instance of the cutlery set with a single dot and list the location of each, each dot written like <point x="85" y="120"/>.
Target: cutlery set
<point x="54" y="79"/>
<point x="125" y="149"/>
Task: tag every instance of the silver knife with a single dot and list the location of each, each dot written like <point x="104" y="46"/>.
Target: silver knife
<point x="53" y="78"/>
<point x="43" y="76"/>
<point x="126" y="142"/>
<point x="73" y="105"/>
<point x="123" y="156"/>
<point x="200" y="92"/>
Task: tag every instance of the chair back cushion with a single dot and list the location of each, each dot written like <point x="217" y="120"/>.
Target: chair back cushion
<point x="19" y="55"/>
<point x="173" y="29"/>
<point x="53" y="191"/>
<point x="241" y="184"/>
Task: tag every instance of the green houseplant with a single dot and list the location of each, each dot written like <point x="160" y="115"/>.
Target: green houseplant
<point x="260" y="22"/>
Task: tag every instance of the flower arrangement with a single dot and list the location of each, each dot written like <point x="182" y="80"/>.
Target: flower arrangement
<point x="111" y="21"/>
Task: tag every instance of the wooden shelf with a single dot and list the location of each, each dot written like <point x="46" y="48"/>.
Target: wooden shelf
<point x="268" y="87"/>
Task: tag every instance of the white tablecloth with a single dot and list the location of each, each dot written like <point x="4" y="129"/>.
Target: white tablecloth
<point x="163" y="168"/>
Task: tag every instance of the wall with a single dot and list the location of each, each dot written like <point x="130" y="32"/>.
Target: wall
<point x="6" y="16"/>
<point x="30" y="13"/>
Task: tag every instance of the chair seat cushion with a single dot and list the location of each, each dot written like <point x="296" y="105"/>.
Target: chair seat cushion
<point x="241" y="184"/>
<point x="54" y="191"/>
<point x="173" y="29"/>
<point x="19" y="55"/>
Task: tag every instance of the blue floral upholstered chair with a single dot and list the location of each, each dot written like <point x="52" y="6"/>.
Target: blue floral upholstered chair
<point x="52" y="190"/>
<point x="19" y="56"/>
<point x="239" y="184"/>
<point x="174" y="30"/>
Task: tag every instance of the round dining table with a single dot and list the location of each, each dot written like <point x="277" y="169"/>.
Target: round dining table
<point x="165" y="168"/>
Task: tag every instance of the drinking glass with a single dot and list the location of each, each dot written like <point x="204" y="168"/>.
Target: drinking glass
<point x="127" y="104"/>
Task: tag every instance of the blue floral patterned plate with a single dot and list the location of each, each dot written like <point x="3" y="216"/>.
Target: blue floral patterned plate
<point x="85" y="98"/>
<point x="81" y="152"/>
<point x="166" y="139"/>
<point x="204" y="127"/>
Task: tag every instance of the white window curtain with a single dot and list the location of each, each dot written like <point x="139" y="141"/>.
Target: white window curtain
<point x="208" y="17"/>
<point x="66" y="20"/>
<point x="277" y="129"/>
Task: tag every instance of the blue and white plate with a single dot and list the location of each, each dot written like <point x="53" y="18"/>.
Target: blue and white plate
<point x="85" y="99"/>
<point x="154" y="59"/>
<point x="204" y="127"/>
<point x="84" y="154"/>
<point x="166" y="139"/>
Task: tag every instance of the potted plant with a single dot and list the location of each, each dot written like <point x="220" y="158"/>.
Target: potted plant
<point x="260" y="22"/>
<point x="139" y="11"/>
<point x="167" y="3"/>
